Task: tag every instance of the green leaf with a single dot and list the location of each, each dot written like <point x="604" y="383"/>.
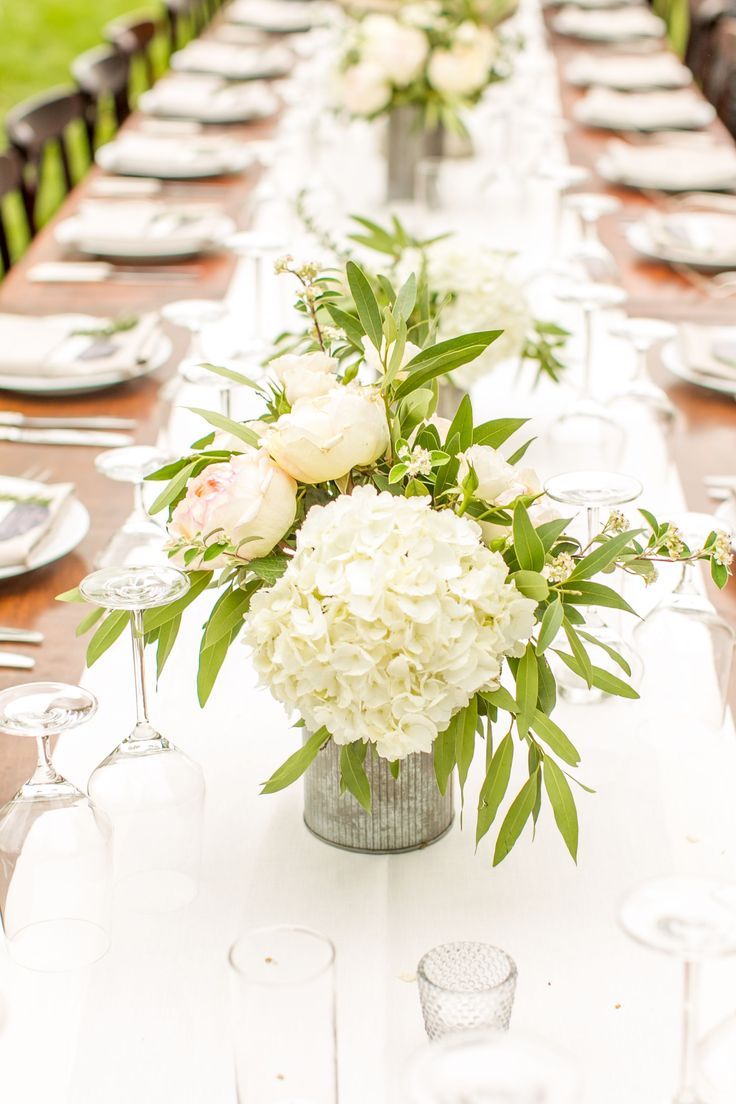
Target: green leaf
<point x="465" y="722"/>
<point x="443" y="751"/>
<point x="154" y="618"/>
<point x="495" y="432"/>
<point x="74" y="595"/>
<point x="271" y="567"/>
<point x="547" y="686"/>
<point x="236" y="377"/>
<point x="719" y="574"/>
<point x="527" y="545"/>
<point x="462" y="425"/>
<point x="603" y="555"/>
<point x="351" y="326"/>
<point x="407" y="297"/>
<point x="520" y="452"/>
<point x="494" y="787"/>
<point x="501" y="699"/>
<point x="211" y="660"/>
<point x="555" y="739"/>
<point x="89" y="620"/>
<point x="615" y="656"/>
<point x="173" y="489"/>
<point x="166" y="639"/>
<point x="531" y="584"/>
<point x="227" y="425"/>
<point x="295" y="766"/>
<point x="601" y="679"/>
<point x="444" y="357"/>
<point x="516" y="818"/>
<point x="549" y="531"/>
<point x="583" y="592"/>
<point x="550" y="626"/>
<point x="113" y="626"/>
<point x="365" y="303"/>
<point x="578" y="650"/>
<point x="228" y="613"/>
<point x="563" y="805"/>
<point x="352" y="770"/>
<point x="527" y="683"/>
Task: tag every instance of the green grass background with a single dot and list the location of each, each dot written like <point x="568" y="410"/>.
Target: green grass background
<point x="38" y="41"/>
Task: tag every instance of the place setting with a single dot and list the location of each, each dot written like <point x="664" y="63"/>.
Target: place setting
<point x="40" y="522"/>
<point x="703" y="355"/>
<point x="622" y="24"/>
<point x="137" y="153"/>
<point x="628" y="72"/>
<point x="680" y="168"/>
<point x="210" y="99"/>
<point x="144" y="229"/>
<point x="609" y="109"/>
<point x="234" y="62"/>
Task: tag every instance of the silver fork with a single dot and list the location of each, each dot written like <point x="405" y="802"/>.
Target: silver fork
<point x="37" y="474"/>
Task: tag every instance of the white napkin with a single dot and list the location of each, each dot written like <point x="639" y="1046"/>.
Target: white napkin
<point x="628" y="72"/>
<point x="235" y="62"/>
<point x="696" y="345"/>
<point x="670" y="167"/>
<point x="26" y="515"/>
<point x="604" y="107"/>
<point x="202" y="96"/>
<point x="53" y="346"/>
<point x="700" y="236"/>
<point x="592" y="3"/>
<point x="139" y="221"/>
<point x="608" y="26"/>
<point x="149" y="154"/>
<point x="274" y="15"/>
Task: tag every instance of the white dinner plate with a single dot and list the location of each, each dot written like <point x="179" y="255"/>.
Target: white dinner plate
<point x="80" y="385"/>
<point x="674" y="363"/>
<point x="699" y="114"/>
<point x="215" y="111"/>
<point x="642" y="239"/>
<point x="605" y="167"/>
<point x="70" y="527"/>
<point x="220" y="163"/>
<point x="70" y="233"/>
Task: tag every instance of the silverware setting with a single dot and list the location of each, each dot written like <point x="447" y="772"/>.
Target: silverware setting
<point x="95" y="439"/>
<point x="720" y="487"/>
<point x="17" y="661"/>
<point x="25" y="421"/>
<point x="10" y="635"/>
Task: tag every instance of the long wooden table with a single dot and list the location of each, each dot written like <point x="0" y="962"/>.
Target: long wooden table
<point x="705" y="440"/>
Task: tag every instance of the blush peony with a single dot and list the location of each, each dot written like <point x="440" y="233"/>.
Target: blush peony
<point x="387" y="621"/>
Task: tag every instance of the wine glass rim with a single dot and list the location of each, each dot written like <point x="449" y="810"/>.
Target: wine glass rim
<point x="587" y="476"/>
<point x="511" y="968"/>
<point x="88" y="585"/>
<point x="684" y="879"/>
<point x="14" y="693"/>
<point x="278" y="929"/>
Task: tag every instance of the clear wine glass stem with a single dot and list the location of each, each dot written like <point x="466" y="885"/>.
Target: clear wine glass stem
<point x="687" y="1093"/>
<point x="44" y="772"/>
<point x="139" y="507"/>
<point x="226" y="402"/>
<point x="594" y="519"/>
<point x="142" y="724"/>
<point x="587" y="350"/>
<point x="258" y="295"/>
<point x="196" y="353"/>
<point x="688" y="583"/>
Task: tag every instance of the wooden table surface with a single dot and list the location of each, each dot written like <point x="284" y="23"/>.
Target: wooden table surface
<point x="705" y="440"/>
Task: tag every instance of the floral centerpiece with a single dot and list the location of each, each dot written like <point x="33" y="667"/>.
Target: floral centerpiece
<point x="393" y="575"/>
<point x="423" y="65"/>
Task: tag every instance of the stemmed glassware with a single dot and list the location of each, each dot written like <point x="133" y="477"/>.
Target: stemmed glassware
<point x="151" y="790"/>
<point x="55" y="845"/>
<point x="590" y="255"/>
<point x="684" y="642"/>
<point x="259" y="251"/>
<point x="283" y="1002"/>
<point x="491" y="1067"/>
<point x="586" y="435"/>
<point x="140" y="540"/>
<point x="593" y="490"/>
<point x="644" y="334"/>
<point x="194" y="315"/>
<point x="693" y="919"/>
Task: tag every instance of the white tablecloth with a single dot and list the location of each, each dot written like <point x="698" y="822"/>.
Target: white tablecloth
<point x="149" y="1023"/>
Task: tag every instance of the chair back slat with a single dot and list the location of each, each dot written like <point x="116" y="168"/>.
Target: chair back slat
<point x="103" y="74"/>
<point x="10" y="182"/>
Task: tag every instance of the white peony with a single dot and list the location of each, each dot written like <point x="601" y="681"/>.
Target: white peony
<point x="398" y="50"/>
<point x="325" y="437"/>
<point x="364" y="89"/>
<point x="464" y="69"/>
<point x="248" y="501"/>
<point x="388" y="619"/>
<point x="305" y="376"/>
<point x="500" y="484"/>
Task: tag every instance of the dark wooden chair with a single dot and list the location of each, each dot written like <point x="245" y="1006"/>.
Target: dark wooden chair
<point x="40" y="126"/>
<point x="185" y="20"/>
<point x="705" y="16"/>
<point x="10" y="189"/>
<point x="722" y="83"/>
<point x="103" y="76"/>
<point x="134" y="37"/>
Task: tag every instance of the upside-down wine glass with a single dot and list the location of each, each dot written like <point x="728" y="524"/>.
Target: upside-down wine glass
<point x="589" y="254"/>
<point x="593" y="490"/>
<point x="140" y="540"/>
<point x="561" y="177"/>
<point x="194" y="315"/>
<point x="586" y="435"/>
<point x="693" y="919"/>
<point x="55" y="844"/>
<point x="491" y="1067"/>
<point x="684" y="642"/>
<point x="259" y="250"/>
<point x="152" y="791"/>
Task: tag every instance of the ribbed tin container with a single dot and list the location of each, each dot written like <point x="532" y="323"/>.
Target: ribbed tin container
<point x="407" y="144"/>
<point x="407" y="813"/>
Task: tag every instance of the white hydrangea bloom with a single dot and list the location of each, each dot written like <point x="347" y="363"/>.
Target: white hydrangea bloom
<point x="485" y="297"/>
<point x="388" y="619"/>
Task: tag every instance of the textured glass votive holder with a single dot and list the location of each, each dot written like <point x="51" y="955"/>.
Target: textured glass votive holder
<point x="464" y="986"/>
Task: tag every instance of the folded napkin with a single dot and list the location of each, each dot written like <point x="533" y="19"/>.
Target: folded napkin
<point x="617" y="25"/>
<point x="151" y="154"/>
<point x="673" y="168"/>
<point x="139" y="222"/>
<point x="202" y="96"/>
<point x="698" y="346"/>
<point x="604" y="107"/>
<point x="274" y="15"/>
<point x="235" y="62"/>
<point x="55" y="346"/>
<point x="27" y="513"/>
<point x="628" y="72"/>
<point x="700" y="236"/>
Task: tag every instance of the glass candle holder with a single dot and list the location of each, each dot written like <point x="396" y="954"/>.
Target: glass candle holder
<point x="463" y="986"/>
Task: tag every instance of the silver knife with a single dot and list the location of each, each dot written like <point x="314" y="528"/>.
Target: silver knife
<point x="64" y="437"/>
<point x="16" y="660"/>
<point x="9" y="635"/>
<point x="26" y="421"/>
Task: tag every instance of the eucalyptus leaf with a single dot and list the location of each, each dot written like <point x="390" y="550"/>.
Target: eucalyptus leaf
<point x="515" y="819"/>
<point x="352" y="771"/>
<point x="295" y="766"/>
<point x="563" y="805"/>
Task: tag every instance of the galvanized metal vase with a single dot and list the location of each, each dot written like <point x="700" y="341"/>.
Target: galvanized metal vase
<point x="407" y="813"/>
<point x="408" y="143"/>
